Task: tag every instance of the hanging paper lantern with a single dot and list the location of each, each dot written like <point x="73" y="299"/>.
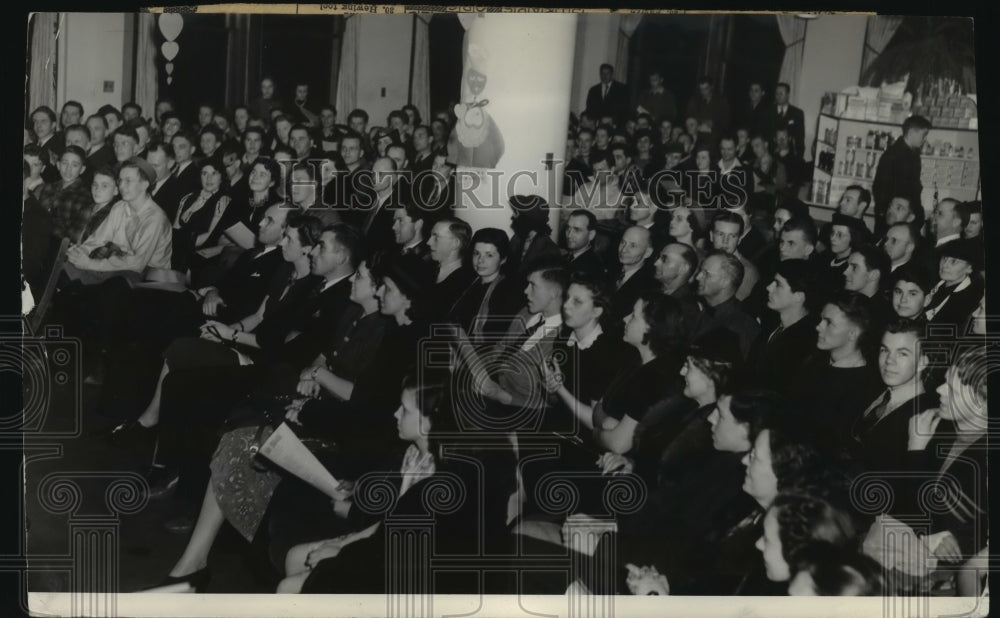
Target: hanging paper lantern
<point x="171" y="25"/>
<point x="170" y="50"/>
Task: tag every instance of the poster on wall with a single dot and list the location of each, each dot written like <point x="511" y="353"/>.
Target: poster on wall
<point x="477" y="141"/>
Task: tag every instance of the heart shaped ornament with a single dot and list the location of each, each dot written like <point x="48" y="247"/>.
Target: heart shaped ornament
<point x="170" y="50"/>
<point x="171" y="25"/>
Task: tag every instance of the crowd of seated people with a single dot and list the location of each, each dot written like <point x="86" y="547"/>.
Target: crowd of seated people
<point x="266" y="270"/>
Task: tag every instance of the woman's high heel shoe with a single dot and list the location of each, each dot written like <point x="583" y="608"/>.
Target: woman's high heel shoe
<point x="198" y="580"/>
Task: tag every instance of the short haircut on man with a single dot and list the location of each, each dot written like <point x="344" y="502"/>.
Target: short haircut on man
<point x="916" y="122"/>
<point x="728" y="216"/>
<point x="875" y="259"/>
<point x="591" y="217"/>
<point x="804" y="225"/>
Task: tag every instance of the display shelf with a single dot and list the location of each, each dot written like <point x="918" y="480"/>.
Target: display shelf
<point x="841" y="148"/>
<point x="895" y="125"/>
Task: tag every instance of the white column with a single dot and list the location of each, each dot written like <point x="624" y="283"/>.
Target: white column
<point x="527" y="61"/>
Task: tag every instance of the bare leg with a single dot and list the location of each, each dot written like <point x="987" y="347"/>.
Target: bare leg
<point x="295" y="560"/>
<point x="151" y="415"/>
<point x="195" y="556"/>
<point x="292" y="584"/>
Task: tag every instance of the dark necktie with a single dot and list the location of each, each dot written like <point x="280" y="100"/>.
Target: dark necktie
<point x="866" y="422"/>
<point x="531" y="330"/>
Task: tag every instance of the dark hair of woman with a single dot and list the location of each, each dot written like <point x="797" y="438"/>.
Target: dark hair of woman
<point x="598" y="289"/>
<point x="663" y="315"/>
<point x="804" y="518"/>
<point x="492" y="236"/>
<point x="839" y="572"/>
<point x="308" y="227"/>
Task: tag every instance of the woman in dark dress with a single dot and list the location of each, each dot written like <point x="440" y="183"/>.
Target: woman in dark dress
<point x="485" y="309"/>
<point x="199" y="214"/>
<point x="784" y="458"/>
<point x="249" y="201"/>
<point x="655" y="330"/>
<point x="422" y="416"/>
<point x="242" y="219"/>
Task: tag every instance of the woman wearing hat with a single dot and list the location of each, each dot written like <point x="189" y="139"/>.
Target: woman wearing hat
<point x="956" y="295"/>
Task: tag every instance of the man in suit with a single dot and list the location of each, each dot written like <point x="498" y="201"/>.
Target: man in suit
<point x="187" y="174"/>
<point x="902" y="243"/>
<point x="377" y="200"/>
<point x="789" y="117"/>
<point x="608" y="98"/>
<point x="581" y="228"/>
<point x="635" y="274"/>
<point x="673" y="270"/>
<point x="409" y="223"/>
<point x="165" y="191"/>
<point x="100" y="153"/>
<point x="718" y="279"/>
<point x="898" y="171"/>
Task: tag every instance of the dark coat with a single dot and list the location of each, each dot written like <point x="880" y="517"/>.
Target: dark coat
<point x="614" y="105"/>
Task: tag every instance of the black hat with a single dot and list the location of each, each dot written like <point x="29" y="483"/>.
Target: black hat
<point x="859" y="232"/>
<point x="533" y="207"/>
<point x="411" y="274"/>
<point x="964" y="249"/>
<point x="719" y="345"/>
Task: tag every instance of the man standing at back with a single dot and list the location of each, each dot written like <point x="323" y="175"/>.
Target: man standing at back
<point x="789" y="117"/>
<point x="898" y="171"/>
<point x="608" y="98"/>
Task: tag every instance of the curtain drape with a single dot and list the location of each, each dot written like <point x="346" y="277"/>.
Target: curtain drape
<point x="347" y="78"/>
<point x="793" y="33"/>
<point x="626" y="28"/>
<point x="420" y="81"/>
<point x="146" y="79"/>
<point x="879" y="33"/>
<point x="42" y="79"/>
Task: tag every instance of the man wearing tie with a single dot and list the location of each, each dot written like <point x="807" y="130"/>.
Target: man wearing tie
<point x="636" y="273"/>
<point x="608" y="98"/>
<point x="789" y="117"/>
